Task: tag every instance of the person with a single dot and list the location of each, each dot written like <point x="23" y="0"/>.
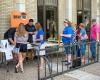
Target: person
<point x="52" y="27"/>
<point x="21" y="37"/>
<point x="86" y="21"/>
<point x="82" y="35"/>
<point x="30" y="28"/>
<point x="67" y="40"/>
<point x="51" y="38"/>
<point x="9" y="34"/>
<point x="78" y="40"/>
<point x="40" y="41"/>
<point x="94" y="38"/>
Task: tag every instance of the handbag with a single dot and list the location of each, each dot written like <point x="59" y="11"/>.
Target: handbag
<point x="85" y="37"/>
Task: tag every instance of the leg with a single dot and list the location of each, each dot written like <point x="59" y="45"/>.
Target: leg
<point x="18" y="64"/>
<point x="23" y="56"/>
<point x="69" y="58"/>
<point x="20" y="61"/>
<point x="82" y="51"/>
<point x="93" y="50"/>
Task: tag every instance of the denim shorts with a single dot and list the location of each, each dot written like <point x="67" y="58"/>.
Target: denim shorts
<point x="67" y="48"/>
<point x="83" y="48"/>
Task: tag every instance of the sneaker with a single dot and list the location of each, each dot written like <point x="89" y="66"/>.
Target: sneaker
<point x="68" y="63"/>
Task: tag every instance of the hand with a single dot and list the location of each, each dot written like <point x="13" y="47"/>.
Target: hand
<point x="30" y="32"/>
<point x="97" y="40"/>
<point x="61" y="34"/>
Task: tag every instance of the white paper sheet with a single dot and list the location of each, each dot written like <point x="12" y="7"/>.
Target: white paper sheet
<point x="8" y="55"/>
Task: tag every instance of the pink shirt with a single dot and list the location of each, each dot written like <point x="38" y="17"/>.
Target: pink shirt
<point x="94" y="31"/>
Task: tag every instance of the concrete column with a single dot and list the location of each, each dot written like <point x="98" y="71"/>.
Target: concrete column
<point x="95" y="9"/>
<point x="67" y="9"/>
<point x="61" y="15"/>
<point x="71" y="10"/>
<point x="74" y="11"/>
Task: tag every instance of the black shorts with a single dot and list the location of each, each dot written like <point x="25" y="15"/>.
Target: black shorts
<point x="22" y="47"/>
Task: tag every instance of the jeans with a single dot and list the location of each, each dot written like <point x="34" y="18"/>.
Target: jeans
<point x="93" y="49"/>
<point x="78" y="51"/>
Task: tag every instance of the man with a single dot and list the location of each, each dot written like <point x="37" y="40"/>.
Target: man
<point x="9" y="34"/>
<point x="94" y="39"/>
<point x="30" y="28"/>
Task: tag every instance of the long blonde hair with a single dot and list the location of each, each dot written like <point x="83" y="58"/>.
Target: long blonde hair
<point x="21" y="30"/>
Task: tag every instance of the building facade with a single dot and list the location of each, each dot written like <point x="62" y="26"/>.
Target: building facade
<point x="50" y="13"/>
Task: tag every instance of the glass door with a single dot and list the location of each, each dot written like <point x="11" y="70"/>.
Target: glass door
<point x="48" y="17"/>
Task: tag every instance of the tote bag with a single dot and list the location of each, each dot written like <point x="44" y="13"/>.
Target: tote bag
<point x="85" y="37"/>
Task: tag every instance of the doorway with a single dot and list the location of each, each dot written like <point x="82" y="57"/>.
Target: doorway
<point x="51" y="21"/>
<point x="48" y="17"/>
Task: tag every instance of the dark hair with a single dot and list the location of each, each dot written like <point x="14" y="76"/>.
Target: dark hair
<point x="31" y="20"/>
<point x="93" y="20"/>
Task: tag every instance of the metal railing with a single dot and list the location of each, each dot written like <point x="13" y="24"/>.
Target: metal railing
<point x="55" y="63"/>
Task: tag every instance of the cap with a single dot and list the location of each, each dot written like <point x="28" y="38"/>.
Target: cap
<point x="66" y="20"/>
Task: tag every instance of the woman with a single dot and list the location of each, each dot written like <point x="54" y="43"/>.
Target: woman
<point x="21" y="37"/>
<point x="67" y="40"/>
<point x="82" y="42"/>
<point x="40" y="40"/>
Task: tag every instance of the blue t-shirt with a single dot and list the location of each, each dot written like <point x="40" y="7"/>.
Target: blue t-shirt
<point x="40" y="32"/>
<point x="83" y="31"/>
<point x="68" y="30"/>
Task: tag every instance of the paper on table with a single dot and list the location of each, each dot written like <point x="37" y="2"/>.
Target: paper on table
<point x="34" y="37"/>
<point x="4" y="43"/>
<point x="8" y="55"/>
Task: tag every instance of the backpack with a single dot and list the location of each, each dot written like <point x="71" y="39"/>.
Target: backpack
<point x="10" y="31"/>
<point x="6" y="34"/>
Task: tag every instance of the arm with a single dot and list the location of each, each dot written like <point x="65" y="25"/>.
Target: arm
<point x="97" y="33"/>
<point x="66" y="35"/>
<point x="11" y="37"/>
<point x="41" y="38"/>
<point x="97" y="36"/>
<point x="12" y="41"/>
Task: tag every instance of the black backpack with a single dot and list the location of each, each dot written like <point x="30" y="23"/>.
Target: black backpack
<point x="6" y="34"/>
<point x="10" y="31"/>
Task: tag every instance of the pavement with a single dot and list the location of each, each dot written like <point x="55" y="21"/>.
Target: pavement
<point x="91" y="72"/>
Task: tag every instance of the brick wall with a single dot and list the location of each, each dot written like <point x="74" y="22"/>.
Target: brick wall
<point x="31" y="9"/>
<point x="6" y="6"/>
